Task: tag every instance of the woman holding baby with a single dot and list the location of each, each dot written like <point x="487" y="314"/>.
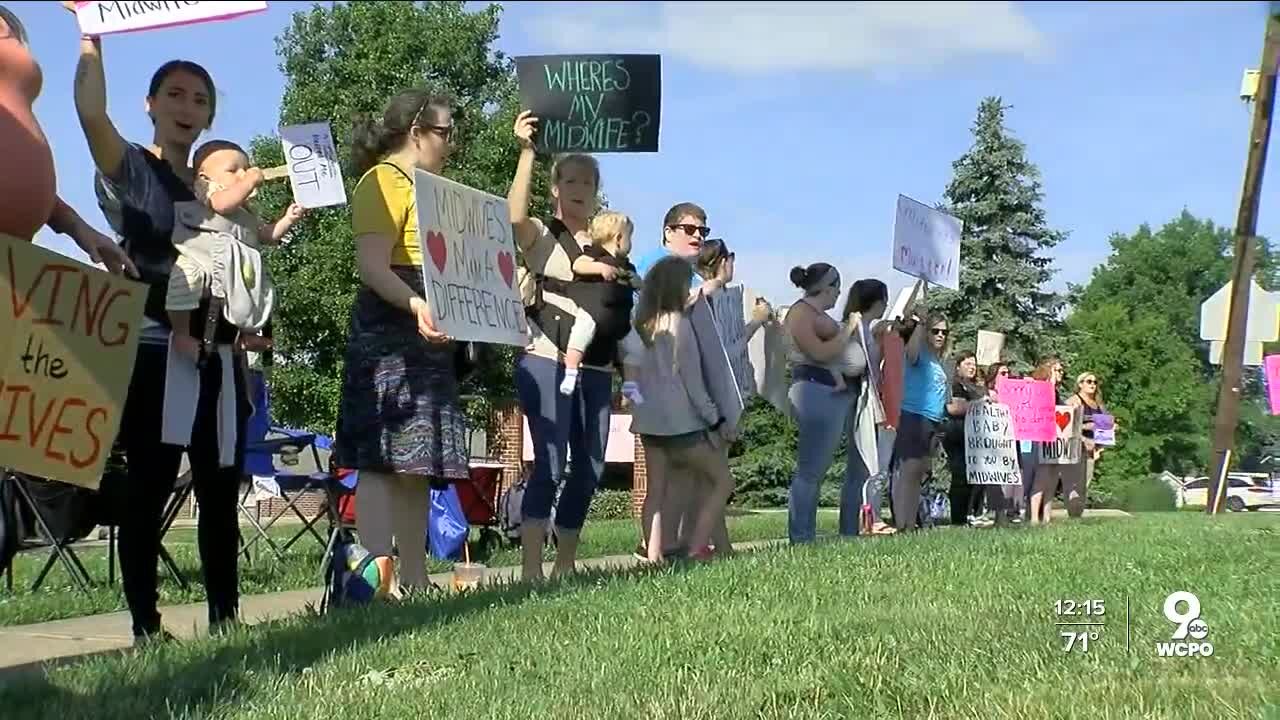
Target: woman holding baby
<point x="828" y="364"/>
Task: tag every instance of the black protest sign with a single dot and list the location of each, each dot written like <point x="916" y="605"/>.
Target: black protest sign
<point x="593" y="103"/>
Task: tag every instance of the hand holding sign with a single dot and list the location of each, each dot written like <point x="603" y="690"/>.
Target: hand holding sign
<point x="526" y="128"/>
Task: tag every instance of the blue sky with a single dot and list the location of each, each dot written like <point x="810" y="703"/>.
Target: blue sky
<point x="797" y="125"/>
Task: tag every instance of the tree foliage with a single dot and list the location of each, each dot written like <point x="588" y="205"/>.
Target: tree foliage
<point x="995" y="190"/>
<point x="1137" y="325"/>
<point x="350" y="58"/>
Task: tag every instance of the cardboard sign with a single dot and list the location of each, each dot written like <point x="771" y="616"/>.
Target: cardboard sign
<point x="68" y="337"/>
<point x="469" y="262"/>
<point x="729" y="306"/>
<point x="1271" y="372"/>
<point x="991" y="451"/>
<point x="717" y="371"/>
<point x="100" y="17"/>
<point x="593" y="103"/>
<point x="313" y="165"/>
<point x="1104" y="429"/>
<point x="1032" y="403"/>
<point x="767" y="358"/>
<point x="990" y="347"/>
<point x="1066" y="445"/>
<point x="926" y="243"/>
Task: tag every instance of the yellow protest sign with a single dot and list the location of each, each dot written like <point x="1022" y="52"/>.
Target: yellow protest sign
<point x="68" y="335"/>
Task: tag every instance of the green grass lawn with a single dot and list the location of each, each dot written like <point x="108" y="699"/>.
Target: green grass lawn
<point x="954" y="623"/>
<point x="59" y="598"/>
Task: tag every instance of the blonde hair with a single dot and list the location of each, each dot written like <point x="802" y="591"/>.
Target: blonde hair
<point x="608" y="225"/>
<point x="666" y="291"/>
<point x="568" y="160"/>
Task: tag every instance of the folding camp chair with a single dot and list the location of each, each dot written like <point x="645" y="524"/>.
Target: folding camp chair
<point x="59" y="543"/>
<point x="266" y="443"/>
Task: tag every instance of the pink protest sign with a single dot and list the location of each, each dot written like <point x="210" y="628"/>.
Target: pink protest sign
<point x="1032" y="403"/>
<point x="100" y="17"/>
<point x="1271" y="367"/>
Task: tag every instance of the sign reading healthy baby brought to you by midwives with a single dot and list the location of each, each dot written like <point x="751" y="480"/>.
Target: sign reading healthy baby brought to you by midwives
<point x="469" y="262"/>
<point x="99" y="17"/>
<point x="926" y="243"/>
<point x="593" y="103"/>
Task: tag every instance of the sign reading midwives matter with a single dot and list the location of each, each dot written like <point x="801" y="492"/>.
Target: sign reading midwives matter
<point x="312" y="163"/>
<point x="926" y="243"/>
<point x="68" y="335"/>
<point x="991" y="452"/>
<point x="99" y="17"/>
<point x="593" y="103"/>
<point x="469" y="262"/>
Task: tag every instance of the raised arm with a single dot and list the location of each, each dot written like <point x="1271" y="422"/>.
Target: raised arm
<point x="105" y="144"/>
<point x="518" y="197"/>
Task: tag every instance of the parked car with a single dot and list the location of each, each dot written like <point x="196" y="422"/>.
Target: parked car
<point x="1243" y="493"/>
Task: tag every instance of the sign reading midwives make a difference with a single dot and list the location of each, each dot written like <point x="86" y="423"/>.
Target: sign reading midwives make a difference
<point x="593" y="103"/>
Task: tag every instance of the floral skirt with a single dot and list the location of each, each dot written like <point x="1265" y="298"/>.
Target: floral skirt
<point x="400" y="411"/>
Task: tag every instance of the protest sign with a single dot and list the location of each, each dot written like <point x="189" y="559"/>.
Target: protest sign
<point x="717" y="371"/>
<point x="1271" y="373"/>
<point x="593" y="103"/>
<point x="926" y="243"/>
<point x="1065" y="447"/>
<point x="313" y="165"/>
<point x="729" y="306"/>
<point x="1104" y="429"/>
<point x="1032" y="403"/>
<point x="991" y="452"/>
<point x="469" y="262"/>
<point x="990" y="347"/>
<point x="102" y="17"/>
<point x="68" y="335"/>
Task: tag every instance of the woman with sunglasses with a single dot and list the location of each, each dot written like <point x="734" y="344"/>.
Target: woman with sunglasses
<point x="401" y="422"/>
<point x="926" y="402"/>
<point x="1088" y="397"/>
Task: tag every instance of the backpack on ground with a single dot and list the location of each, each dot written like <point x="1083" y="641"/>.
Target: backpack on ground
<point x="356" y="576"/>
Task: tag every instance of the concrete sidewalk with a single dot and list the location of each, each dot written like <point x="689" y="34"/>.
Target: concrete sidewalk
<point x="27" y="648"/>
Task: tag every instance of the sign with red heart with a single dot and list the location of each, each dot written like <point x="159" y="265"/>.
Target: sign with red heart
<point x="469" y="266"/>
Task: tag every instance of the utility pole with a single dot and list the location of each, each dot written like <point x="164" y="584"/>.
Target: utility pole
<point x="1228" y="413"/>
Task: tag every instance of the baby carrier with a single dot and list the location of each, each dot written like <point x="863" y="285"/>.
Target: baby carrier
<point x="239" y="288"/>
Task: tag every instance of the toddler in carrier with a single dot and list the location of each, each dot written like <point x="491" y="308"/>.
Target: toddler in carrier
<point x="217" y="238"/>
<point x="852" y="360"/>
<point x="603" y="288"/>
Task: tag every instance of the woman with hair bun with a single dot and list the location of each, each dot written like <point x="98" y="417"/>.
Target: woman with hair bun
<point x="821" y="403"/>
<point x="401" y="422"/>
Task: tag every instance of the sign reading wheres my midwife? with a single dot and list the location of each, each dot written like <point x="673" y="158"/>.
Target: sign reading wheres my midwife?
<point x="593" y="103"/>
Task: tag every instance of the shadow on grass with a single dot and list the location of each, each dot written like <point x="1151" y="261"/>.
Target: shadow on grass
<point x="181" y="680"/>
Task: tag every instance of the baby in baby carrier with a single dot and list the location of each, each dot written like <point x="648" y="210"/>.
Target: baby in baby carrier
<point x="217" y="238"/>
<point x="603" y="288"/>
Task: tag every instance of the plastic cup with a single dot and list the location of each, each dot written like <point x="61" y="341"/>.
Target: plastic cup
<point x="467" y="576"/>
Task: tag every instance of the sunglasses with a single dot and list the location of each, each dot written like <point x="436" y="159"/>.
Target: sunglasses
<point x="1089" y="382"/>
<point x="942" y="332"/>
<point x="444" y="131"/>
<point x="689" y="229"/>
<point x="1003" y="373"/>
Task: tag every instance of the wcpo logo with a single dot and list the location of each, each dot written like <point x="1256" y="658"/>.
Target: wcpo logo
<point x="1188" y="637"/>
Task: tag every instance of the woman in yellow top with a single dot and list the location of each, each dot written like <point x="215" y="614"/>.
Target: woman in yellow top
<point x="400" y="424"/>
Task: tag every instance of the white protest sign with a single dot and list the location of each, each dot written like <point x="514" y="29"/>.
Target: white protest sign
<point x="469" y="263"/>
<point x="717" y="371"/>
<point x="312" y="161"/>
<point x="98" y="17"/>
<point x="990" y="345"/>
<point x="991" y="452"/>
<point x="729" y="307"/>
<point x="1065" y="450"/>
<point x="926" y="243"/>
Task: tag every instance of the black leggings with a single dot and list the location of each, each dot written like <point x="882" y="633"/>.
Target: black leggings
<point x="152" y="473"/>
<point x="966" y="499"/>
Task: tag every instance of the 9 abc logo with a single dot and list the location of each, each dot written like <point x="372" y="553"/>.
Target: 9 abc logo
<point x="1189" y="625"/>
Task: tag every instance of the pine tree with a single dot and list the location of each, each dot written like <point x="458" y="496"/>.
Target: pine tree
<point x="996" y="191"/>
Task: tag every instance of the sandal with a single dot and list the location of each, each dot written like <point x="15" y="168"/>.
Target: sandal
<point x="883" y="529"/>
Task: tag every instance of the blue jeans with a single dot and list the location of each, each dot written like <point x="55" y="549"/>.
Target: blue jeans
<point x="823" y="416"/>
<point x="578" y="422"/>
